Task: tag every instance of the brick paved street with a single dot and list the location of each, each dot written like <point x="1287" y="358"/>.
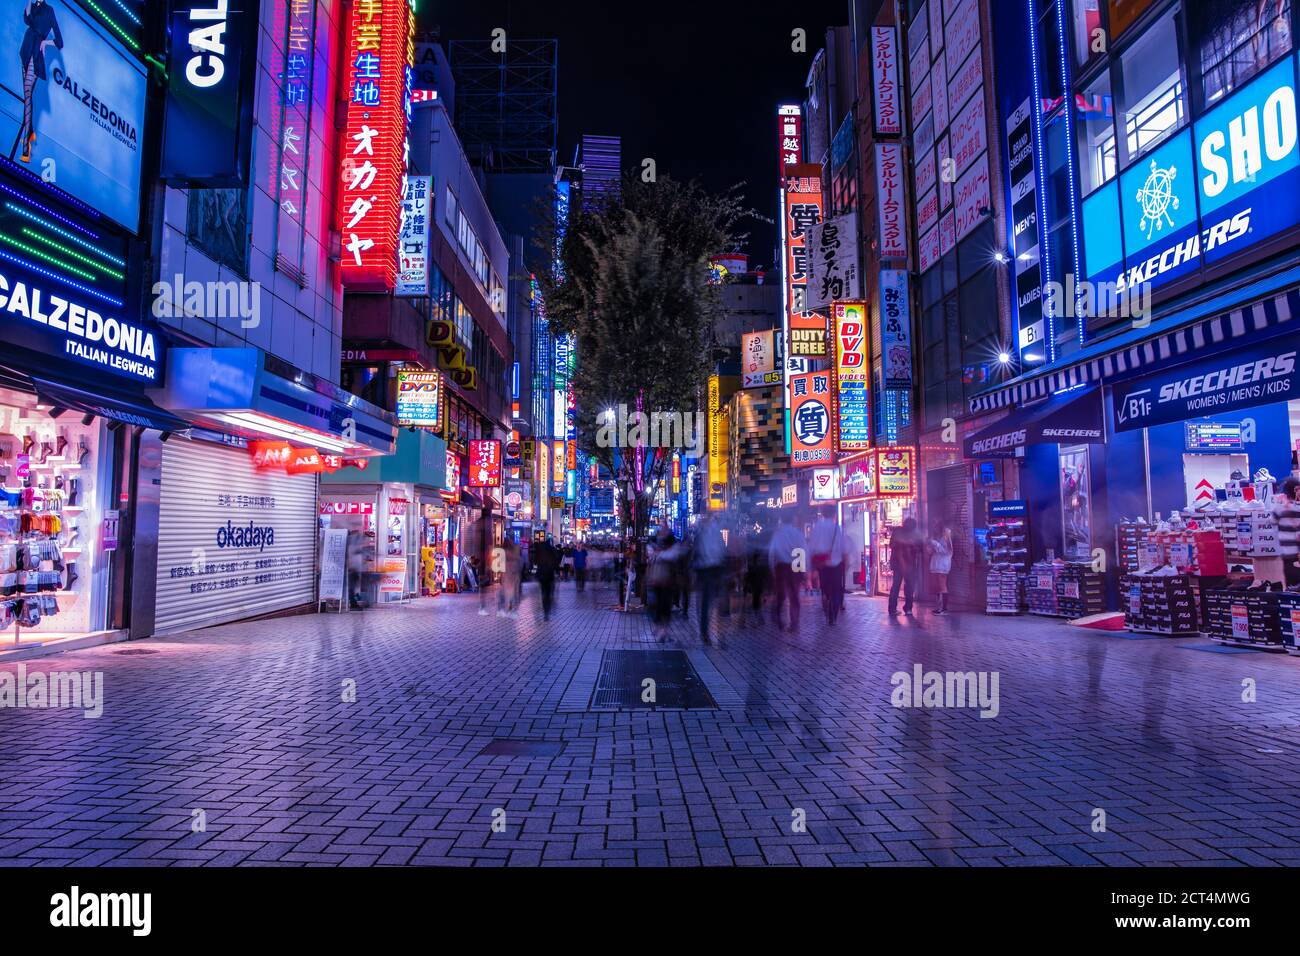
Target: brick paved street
<point x="247" y="723"/>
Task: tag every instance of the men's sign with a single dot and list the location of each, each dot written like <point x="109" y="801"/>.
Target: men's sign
<point x="1242" y="379"/>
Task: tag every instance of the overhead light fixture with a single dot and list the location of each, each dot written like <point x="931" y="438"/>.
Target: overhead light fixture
<point x="87" y="418"/>
<point x="56" y="411"/>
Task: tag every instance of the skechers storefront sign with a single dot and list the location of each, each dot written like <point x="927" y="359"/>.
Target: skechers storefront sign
<point x="48" y="321"/>
<point x="1207" y="193"/>
<point x="1244" y="379"/>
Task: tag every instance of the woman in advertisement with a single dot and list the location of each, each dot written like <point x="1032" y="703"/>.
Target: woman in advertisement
<point x="42" y="32"/>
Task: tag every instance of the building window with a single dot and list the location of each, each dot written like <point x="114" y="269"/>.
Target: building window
<point x="1089" y="35"/>
<point x="1235" y="40"/>
<point x="1153" y="97"/>
<point x="1049" y="56"/>
<point x="1124" y="12"/>
<point x="450" y="207"/>
<point x="1094" y="123"/>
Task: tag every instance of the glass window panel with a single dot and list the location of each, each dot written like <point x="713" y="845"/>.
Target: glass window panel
<point x="1234" y="41"/>
<point x="1085" y="17"/>
<point x="1154" y="101"/>
<point x="1124" y="12"/>
<point x="1094" y="124"/>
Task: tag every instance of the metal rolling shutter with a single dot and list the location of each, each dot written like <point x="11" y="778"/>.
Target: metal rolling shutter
<point x="210" y="568"/>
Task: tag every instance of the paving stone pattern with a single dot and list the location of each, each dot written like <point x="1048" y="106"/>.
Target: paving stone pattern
<point x="248" y="723"/>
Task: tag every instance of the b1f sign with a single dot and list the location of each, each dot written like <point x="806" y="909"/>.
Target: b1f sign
<point x="210" y="67"/>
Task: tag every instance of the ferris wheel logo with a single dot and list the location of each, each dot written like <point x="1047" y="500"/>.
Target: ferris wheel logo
<point x="1157" y="198"/>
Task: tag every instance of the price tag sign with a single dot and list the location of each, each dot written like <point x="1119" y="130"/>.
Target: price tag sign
<point x="1071" y="589"/>
<point x="1240" y="623"/>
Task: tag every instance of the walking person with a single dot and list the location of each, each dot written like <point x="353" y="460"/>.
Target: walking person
<point x="787" y="551"/>
<point x="709" y="560"/>
<point x="511" y="580"/>
<point x="828" y="559"/>
<point x="661" y="573"/>
<point x="548" y="563"/>
<point x="905" y="563"/>
<point x="756" y="571"/>
<point x="580" y="565"/>
<point x="1286" y="507"/>
<point x="941" y="565"/>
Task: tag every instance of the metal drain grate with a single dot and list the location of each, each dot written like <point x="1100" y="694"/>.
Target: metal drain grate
<point x="621" y="682"/>
<point x="505" y="747"/>
<point x="136" y="650"/>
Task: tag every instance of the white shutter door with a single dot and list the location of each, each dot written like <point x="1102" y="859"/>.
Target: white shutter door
<point x="234" y="541"/>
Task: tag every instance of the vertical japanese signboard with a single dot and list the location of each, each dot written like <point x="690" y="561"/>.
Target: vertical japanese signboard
<point x="852" y="421"/>
<point x="758" y="359"/>
<point x="810" y="419"/>
<point x="718" y="446"/>
<point x="484" y="463"/>
<point x="803" y="211"/>
<point x="789" y="120"/>
<point x="890" y="199"/>
<point x="884" y="75"/>
<point x="413" y="238"/>
<point x="895" y="346"/>
<point x="293" y="33"/>
<point x="377" y="75"/>
<point x="834" y="269"/>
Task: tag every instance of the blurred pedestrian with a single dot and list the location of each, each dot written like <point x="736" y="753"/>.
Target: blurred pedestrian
<point x="786" y="556"/>
<point x="548" y="564"/>
<point x="511" y="580"/>
<point x="940" y="565"/>
<point x="828" y="559"/>
<point x="905" y="565"/>
<point x="709" y="561"/>
<point x="580" y="565"/>
<point x="756" y="571"/>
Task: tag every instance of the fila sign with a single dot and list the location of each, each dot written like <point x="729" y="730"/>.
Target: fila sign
<point x="1209" y="192"/>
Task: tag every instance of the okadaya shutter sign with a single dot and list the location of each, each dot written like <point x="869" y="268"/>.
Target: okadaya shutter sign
<point x="234" y="541"/>
<point x="207" y="131"/>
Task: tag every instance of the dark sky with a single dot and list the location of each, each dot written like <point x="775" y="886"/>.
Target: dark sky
<point x="694" y="85"/>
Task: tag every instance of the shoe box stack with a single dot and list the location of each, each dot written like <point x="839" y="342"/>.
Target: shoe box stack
<point x="1248" y="615"/>
<point x="1160" y="603"/>
<point x="1040" y="588"/>
<point x="1130" y="538"/>
<point x="1005" y="590"/>
<point x="1080" y="590"/>
<point x="1009" y="559"/>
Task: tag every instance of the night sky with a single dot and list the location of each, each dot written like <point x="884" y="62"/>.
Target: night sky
<point x="694" y="85"/>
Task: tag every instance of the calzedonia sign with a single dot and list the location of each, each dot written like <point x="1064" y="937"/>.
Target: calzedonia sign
<point x="211" y="69"/>
<point x="1243" y="379"/>
<point x="41" y="318"/>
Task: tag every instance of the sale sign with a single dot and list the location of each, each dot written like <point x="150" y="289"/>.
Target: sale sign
<point x="852" y="417"/>
<point x="484" y="463"/>
<point x="377" y="72"/>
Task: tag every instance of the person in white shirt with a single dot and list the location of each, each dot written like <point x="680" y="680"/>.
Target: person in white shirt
<point x="788" y="549"/>
<point x="827" y="547"/>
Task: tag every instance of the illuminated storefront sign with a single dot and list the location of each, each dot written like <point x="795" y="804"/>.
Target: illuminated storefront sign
<point x="884" y="75"/>
<point x="559" y="459"/>
<point x="758" y="358"/>
<point x="87" y="114"/>
<point x="895" y="472"/>
<point x="803" y="210"/>
<point x="211" y="71"/>
<point x="484" y="463"/>
<point x="453" y="475"/>
<point x="1206" y="194"/>
<point x="826" y="484"/>
<point x="717" y="446"/>
<point x="895" y="345"/>
<point x="810" y="419"/>
<point x="377" y="77"/>
<point x="293" y="30"/>
<point x="789" y="120"/>
<point x="413" y="238"/>
<point x="889" y="190"/>
<point x="852" y="413"/>
<point x="419" y="399"/>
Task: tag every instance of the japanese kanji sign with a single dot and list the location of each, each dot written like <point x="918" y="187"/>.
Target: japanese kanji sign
<point x="803" y="211"/>
<point x="884" y="75"/>
<point x="895" y="346"/>
<point x="889" y="192"/>
<point x="810" y="419"/>
<point x="834" y="270"/>
<point x="484" y="463"/>
<point x="377" y="76"/>
<point x="789" y="120"/>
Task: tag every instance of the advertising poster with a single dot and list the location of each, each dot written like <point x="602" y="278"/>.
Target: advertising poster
<point x="810" y="419"/>
<point x="413" y="238"/>
<point x="484" y="463"/>
<point x="895" y="472"/>
<point x="895" y="329"/>
<point x="87" y="108"/>
<point x="758" y="359"/>
<point x="419" y="399"/>
<point x="834" y="269"/>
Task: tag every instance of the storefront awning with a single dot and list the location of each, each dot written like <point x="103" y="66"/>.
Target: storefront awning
<point x="1196" y="330"/>
<point x="1072" y="417"/>
<point x="246" y="392"/>
<point x="133" y="410"/>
